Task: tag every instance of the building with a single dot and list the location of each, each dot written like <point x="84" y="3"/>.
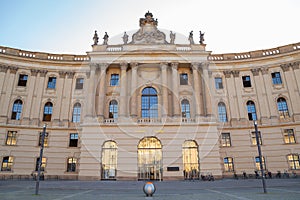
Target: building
<point x="148" y="109"/>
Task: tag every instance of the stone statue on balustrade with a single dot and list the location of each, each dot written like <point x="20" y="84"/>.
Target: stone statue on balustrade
<point x="172" y="37"/>
<point x="125" y="38"/>
<point x="95" y="38"/>
<point x="105" y="39"/>
<point x="201" y="38"/>
<point x="191" y="39"/>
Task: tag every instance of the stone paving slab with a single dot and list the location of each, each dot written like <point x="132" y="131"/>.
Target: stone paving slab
<point x="226" y="189"/>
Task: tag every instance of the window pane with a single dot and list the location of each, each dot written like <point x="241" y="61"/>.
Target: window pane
<point x="226" y="140"/>
<point x="76" y="113"/>
<point x="109" y="160"/>
<point x="218" y="83"/>
<point x="276" y="78"/>
<point x="17" y="110"/>
<point x="183" y="79"/>
<point x="11" y="138"/>
<point x="52" y="82"/>
<point x="79" y="83"/>
<point x="149" y="103"/>
<point x="222" y="112"/>
<point x="114" y="80"/>
<point x="251" y="110"/>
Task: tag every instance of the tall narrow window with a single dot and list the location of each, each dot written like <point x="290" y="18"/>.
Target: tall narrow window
<point x="11" y="138"/>
<point x="185" y="108"/>
<point x="251" y="110"/>
<point x="7" y="163"/>
<point x="228" y="164"/>
<point x="289" y="137"/>
<point x="293" y="160"/>
<point x="73" y="140"/>
<point x="113" y="109"/>
<point x="184" y="79"/>
<point x="71" y="165"/>
<point x="225" y="140"/>
<point x="23" y="80"/>
<point x="253" y="138"/>
<point x="282" y="108"/>
<point x="276" y="78"/>
<point x="114" y="80"/>
<point x="51" y="83"/>
<point x="48" y="112"/>
<point x="190" y="160"/>
<point x="17" y="110"/>
<point x="257" y="163"/>
<point x="246" y="81"/>
<point x="45" y="139"/>
<point x="222" y="112"/>
<point x="79" y="84"/>
<point x="43" y="164"/>
<point x="149" y="103"/>
<point x="109" y="160"/>
<point x="76" y="113"/>
<point x="218" y="83"/>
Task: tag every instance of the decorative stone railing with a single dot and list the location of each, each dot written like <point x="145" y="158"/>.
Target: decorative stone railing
<point x="114" y="49"/>
<point x="183" y="48"/>
<point x="110" y="121"/>
<point x="148" y="120"/>
<point x="188" y="120"/>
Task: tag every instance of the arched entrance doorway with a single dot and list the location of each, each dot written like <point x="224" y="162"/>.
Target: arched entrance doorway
<point x="150" y="159"/>
<point x="109" y="160"/>
<point x="190" y="160"/>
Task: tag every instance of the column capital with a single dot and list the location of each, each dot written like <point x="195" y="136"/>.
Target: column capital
<point x="264" y="70"/>
<point x="34" y="72"/>
<point x="295" y="65"/>
<point x="62" y="74"/>
<point x="93" y="66"/>
<point x="235" y="73"/>
<point x="43" y="73"/>
<point x="13" y="70"/>
<point x="163" y="65"/>
<point x="3" y="68"/>
<point x="204" y="65"/>
<point x="285" y="67"/>
<point x="123" y="65"/>
<point x="174" y="65"/>
<point x="195" y="65"/>
<point x="70" y="74"/>
<point x="134" y="65"/>
<point x="103" y="66"/>
<point x="227" y="74"/>
<point x="255" y="71"/>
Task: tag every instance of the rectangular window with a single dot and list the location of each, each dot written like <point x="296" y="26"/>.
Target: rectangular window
<point x="45" y="139"/>
<point x="218" y="83"/>
<point x="253" y="138"/>
<point x="226" y="140"/>
<point x="71" y="166"/>
<point x="228" y="164"/>
<point x="288" y="136"/>
<point x="79" y="83"/>
<point x="114" y="80"/>
<point x="246" y="81"/>
<point x="11" y="138"/>
<point x="293" y="160"/>
<point x="52" y="82"/>
<point x="276" y="78"/>
<point x="73" y="140"/>
<point x="43" y="164"/>
<point x="257" y="163"/>
<point x="184" y="79"/>
<point x="22" y="80"/>
<point x="7" y="163"/>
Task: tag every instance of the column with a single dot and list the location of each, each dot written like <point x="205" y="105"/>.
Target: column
<point x="238" y="89"/>
<point x="133" y="93"/>
<point x="164" y="86"/>
<point x="123" y="92"/>
<point x="5" y="79"/>
<point x="231" y="94"/>
<point x="102" y="90"/>
<point x="65" y="108"/>
<point x="60" y="95"/>
<point x="296" y="75"/>
<point x="272" y="107"/>
<point x="206" y="91"/>
<point x="9" y="83"/>
<point x="197" y="90"/>
<point x="91" y="92"/>
<point x="176" y="106"/>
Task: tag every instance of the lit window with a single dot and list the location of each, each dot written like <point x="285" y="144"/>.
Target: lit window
<point x="76" y="113"/>
<point x="73" y="140"/>
<point x="228" y="164"/>
<point x="190" y="156"/>
<point x="246" y="81"/>
<point x="251" y="110"/>
<point x="7" y="163"/>
<point x="222" y="112"/>
<point x="52" y="82"/>
<point x="218" y="83"/>
<point x="282" y="108"/>
<point x="114" y="80"/>
<point x="113" y="109"/>
<point x="257" y="163"/>
<point x="289" y="137"/>
<point x="149" y="103"/>
<point x="184" y="79"/>
<point x="293" y="160"/>
<point x="109" y="160"/>
<point x="22" y="80"/>
<point x="48" y="111"/>
<point x="185" y="108"/>
<point x="17" y="110"/>
<point x="45" y="139"/>
<point x="43" y="164"/>
<point x="11" y="138"/>
<point x="226" y="140"/>
<point x="276" y="78"/>
<point x="79" y="83"/>
<point x="71" y="166"/>
<point x="253" y="138"/>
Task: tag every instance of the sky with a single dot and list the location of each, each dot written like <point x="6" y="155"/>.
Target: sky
<point x="67" y="26"/>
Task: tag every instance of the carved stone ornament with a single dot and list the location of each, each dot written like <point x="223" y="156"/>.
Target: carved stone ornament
<point x="255" y="71"/>
<point x="227" y="74"/>
<point x="148" y="32"/>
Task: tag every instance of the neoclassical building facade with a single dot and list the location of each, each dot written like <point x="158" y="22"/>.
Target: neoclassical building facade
<point x="148" y="109"/>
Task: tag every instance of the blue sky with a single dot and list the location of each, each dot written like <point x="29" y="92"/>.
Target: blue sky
<point x="67" y="26"/>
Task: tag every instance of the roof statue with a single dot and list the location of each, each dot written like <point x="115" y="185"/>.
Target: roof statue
<point x="105" y="38"/>
<point x="95" y="38"/>
<point x="148" y="32"/>
<point x="191" y="39"/>
<point x="201" y="37"/>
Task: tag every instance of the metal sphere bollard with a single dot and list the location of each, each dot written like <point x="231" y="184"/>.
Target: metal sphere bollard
<point x="149" y="189"/>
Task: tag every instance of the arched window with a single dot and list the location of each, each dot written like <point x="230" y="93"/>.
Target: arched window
<point x="149" y="103"/>
<point x="190" y="160"/>
<point x="109" y="160"/>
<point x="251" y="110"/>
<point x="222" y="112"/>
<point x="76" y="113"/>
<point x="185" y="108"/>
<point x="113" y="109"/>
<point x="17" y="110"/>
<point x="150" y="159"/>
<point x="48" y="112"/>
<point x="282" y="108"/>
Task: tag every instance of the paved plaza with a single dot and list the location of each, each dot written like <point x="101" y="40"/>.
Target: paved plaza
<point x="170" y="190"/>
